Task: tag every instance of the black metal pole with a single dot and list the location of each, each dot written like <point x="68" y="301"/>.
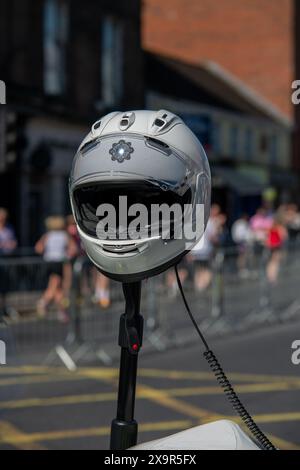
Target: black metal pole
<point x="124" y="428"/>
<point x="74" y="334"/>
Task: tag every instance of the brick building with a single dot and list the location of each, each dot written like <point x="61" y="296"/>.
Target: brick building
<point x="248" y="45"/>
<point x="247" y="140"/>
<point x="297" y="76"/>
<point x="65" y="63"/>
<point x="251" y="39"/>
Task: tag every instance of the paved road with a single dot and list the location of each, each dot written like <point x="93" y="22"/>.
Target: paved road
<point x="50" y="408"/>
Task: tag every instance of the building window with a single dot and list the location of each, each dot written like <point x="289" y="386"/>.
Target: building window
<point x="216" y="138"/>
<point x="248" y="144"/>
<point x="111" y="61"/>
<point x="233" y="141"/>
<point x="273" y="150"/>
<point x="55" y="42"/>
<point x="263" y="143"/>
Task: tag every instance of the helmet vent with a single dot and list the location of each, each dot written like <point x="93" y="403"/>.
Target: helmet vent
<point x="120" y="249"/>
<point x="159" y="122"/>
<point x="96" y="126"/>
<point x="126" y="121"/>
<point x="89" y="146"/>
<point x="159" y="145"/>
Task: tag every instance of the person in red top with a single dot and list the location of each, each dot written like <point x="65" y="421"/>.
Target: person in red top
<point x="275" y="239"/>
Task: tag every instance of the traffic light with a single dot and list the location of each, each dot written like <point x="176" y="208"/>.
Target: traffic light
<point x="2" y="138"/>
<point x="12" y="138"/>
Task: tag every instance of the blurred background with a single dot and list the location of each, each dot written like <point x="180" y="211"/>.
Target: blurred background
<point x="227" y="69"/>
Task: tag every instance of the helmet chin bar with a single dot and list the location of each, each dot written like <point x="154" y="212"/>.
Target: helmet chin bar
<point x="136" y="277"/>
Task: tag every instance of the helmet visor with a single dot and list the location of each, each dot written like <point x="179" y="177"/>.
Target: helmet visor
<point x="127" y="209"/>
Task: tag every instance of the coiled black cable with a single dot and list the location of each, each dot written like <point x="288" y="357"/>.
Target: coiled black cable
<point x="262" y="440"/>
<point x="236" y="403"/>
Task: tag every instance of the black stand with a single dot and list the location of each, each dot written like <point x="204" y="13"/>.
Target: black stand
<point x="124" y="427"/>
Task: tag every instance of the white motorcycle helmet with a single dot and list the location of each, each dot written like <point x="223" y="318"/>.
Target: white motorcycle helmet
<point x="151" y="158"/>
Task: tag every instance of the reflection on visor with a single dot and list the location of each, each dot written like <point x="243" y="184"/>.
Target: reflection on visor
<point x="88" y="198"/>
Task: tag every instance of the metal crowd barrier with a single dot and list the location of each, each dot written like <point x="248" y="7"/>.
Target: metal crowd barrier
<point x="233" y="302"/>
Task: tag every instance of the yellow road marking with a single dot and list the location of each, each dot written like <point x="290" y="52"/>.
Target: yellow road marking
<point x="30" y="370"/>
<point x="261" y="418"/>
<point x="9" y="434"/>
<point x="172" y="374"/>
<point x="282" y="444"/>
<point x="145" y="372"/>
<point x="29" y="438"/>
<point x="35" y="370"/>
<point x="204" y="416"/>
<point x="277" y="417"/>
<point x="163" y="398"/>
<point x="244" y="388"/>
<point x="39" y="379"/>
<point x="57" y="401"/>
<point x="58" y="376"/>
<point x="141" y="394"/>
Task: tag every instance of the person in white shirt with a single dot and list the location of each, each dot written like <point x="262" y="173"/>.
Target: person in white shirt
<point x="57" y="247"/>
<point x="242" y="236"/>
<point x="203" y="252"/>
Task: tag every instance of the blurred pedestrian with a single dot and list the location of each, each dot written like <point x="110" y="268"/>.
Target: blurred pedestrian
<point x="275" y="239"/>
<point x="203" y="252"/>
<point x="8" y="244"/>
<point x="71" y="228"/>
<point x="260" y="224"/>
<point x="72" y="231"/>
<point x="8" y="240"/>
<point x="293" y="222"/>
<point x="171" y="279"/>
<point x="86" y="276"/>
<point x="102" y="290"/>
<point x="242" y="236"/>
<point x="57" y="248"/>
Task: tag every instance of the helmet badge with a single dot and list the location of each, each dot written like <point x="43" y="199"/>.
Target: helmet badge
<point x="121" y="151"/>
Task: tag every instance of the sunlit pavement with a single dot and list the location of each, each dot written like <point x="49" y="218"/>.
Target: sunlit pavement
<point x="51" y="408"/>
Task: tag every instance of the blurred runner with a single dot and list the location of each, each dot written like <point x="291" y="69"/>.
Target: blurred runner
<point x="71" y="229"/>
<point x="73" y="232"/>
<point x="276" y="237"/>
<point x="86" y="277"/>
<point x="203" y="252"/>
<point x="8" y="240"/>
<point x="260" y="224"/>
<point x="171" y="281"/>
<point x="102" y="290"/>
<point x="293" y="222"/>
<point x="8" y="243"/>
<point x="57" y="247"/>
<point x="242" y="236"/>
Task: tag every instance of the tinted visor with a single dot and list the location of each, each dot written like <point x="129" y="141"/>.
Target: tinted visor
<point x="88" y="198"/>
